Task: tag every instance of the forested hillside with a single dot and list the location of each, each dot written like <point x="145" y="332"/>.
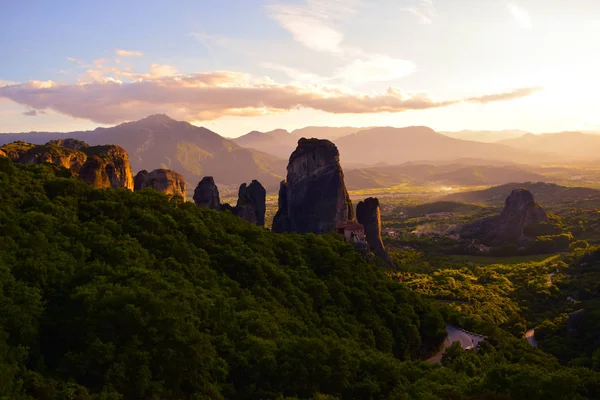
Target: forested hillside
<point x="112" y="294"/>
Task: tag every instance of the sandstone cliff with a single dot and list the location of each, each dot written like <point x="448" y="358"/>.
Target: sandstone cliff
<point x="107" y="166"/>
<point x="368" y="213"/>
<point x="521" y="214"/>
<point x="313" y="198"/>
<point x="163" y="180"/>
<point x="100" y="166"/>
<point x="206" y="194"/>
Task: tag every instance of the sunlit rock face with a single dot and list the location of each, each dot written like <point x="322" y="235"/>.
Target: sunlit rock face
<point x="313" y="198"/>
<point x="162" y="180"/>
<point x="107" y="166"/>
<point x="100" y="166"/>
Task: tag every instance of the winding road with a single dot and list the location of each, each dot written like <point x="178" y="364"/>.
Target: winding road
<point x="466" y="340"/>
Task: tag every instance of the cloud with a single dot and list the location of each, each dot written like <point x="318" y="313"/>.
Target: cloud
<point x="313" y="24"/>
<point x="520" y="15"/>
<point x="425" y="11"/>
<point x="376" y="68"/>
<point x="127" y="53"/>
<point x="30" y="113"/>
<point x="208" y="96"/>
<point x="515" y="94"/>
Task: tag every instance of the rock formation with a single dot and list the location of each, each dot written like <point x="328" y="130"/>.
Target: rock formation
<point x="206" y="194"/>
<point x="520" y="215"/>
<point x="163" y="180"/>
<point x="100" y="166"/>
<point x="313" y="198"/>
<point x="107" y="166"/>
<point x="251" y="204"/>
<point x="368" y="213"/>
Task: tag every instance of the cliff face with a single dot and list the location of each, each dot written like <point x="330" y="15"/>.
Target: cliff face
<point x="27" y="153"/>
<point x="163" y="180"/>
<point x="368" y="213"/>
<point x="206" y="194"/>
<point x="107" y="166"/>
<point x="100" y="166"/>
<point x="314" y="197"/>
<point x="520" y="213"/>
<point x="251" y="204"/>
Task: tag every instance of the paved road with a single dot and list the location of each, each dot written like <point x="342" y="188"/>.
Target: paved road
<point x="466" y="341"/>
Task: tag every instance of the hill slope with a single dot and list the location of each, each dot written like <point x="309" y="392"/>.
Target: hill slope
<point x="485" y="136"/>
<point x="450" y="174"/>
<point x="128" y="293"/>
<point x="573" y="145"/>
<point x="398" y="145"/>
<point x="281" y="143"/>
<point x="161" y="142"/>
<point x="544" y="193"/>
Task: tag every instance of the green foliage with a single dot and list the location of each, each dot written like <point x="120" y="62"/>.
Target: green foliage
<point x="115" y="295"/>
<point x="145" y="296"/>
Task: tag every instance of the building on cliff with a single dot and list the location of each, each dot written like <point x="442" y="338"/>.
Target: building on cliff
<point x="352" y="231"/>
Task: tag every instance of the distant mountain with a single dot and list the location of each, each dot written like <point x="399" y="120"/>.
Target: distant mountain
<point x="485" y="136"/>
<point x="449" y="174"/>
<point x="161" y="142"/>
<point x="574" y="145"/>
<point x="544" y="193"/>
<point x="281" y="143"/>
<point x="325" y="132"/>
<point x="398" y="145"/>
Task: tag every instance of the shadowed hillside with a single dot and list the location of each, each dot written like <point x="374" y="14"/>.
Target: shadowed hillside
<point x="545" y="193"/>
<point x="159" y="141"/>
<point x="450" y="174"/>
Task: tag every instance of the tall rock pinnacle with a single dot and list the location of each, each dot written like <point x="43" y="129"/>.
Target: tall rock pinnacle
<point x="368" y="213"/>
<point x="313" y="198"/>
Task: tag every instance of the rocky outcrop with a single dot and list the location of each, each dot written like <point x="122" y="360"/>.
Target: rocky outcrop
<point x="313" y="198"/>
<point x="3" y="153"/>
<point x="27" y="153"/>
<point x="519" y="217"/>
<point x="99" y="166"/>
<point x="206" y="194"/>
<point x="162" y="180"/>
<point x="368" y="213"/>
<point x="72" y="144"/>
<point x="107" y="166"/>
<point x="251" y="204"/>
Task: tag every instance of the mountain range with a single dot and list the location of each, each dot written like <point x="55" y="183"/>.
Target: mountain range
<point x="397" y="145"/>
<point x="281" y="143"/>
<point x="371" y="157"/>
<point x="158" y="141"/>
<point x="575" y="145"/>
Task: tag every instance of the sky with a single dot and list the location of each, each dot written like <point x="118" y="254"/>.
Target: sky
<point x="235" y="66"/>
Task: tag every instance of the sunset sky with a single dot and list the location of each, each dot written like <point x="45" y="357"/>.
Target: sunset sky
<point x="241" y="65"/>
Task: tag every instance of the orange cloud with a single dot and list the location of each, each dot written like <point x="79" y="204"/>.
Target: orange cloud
<point x="208" y="96"/>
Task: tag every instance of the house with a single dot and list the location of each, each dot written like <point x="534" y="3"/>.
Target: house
<point x="351" y="230"/>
